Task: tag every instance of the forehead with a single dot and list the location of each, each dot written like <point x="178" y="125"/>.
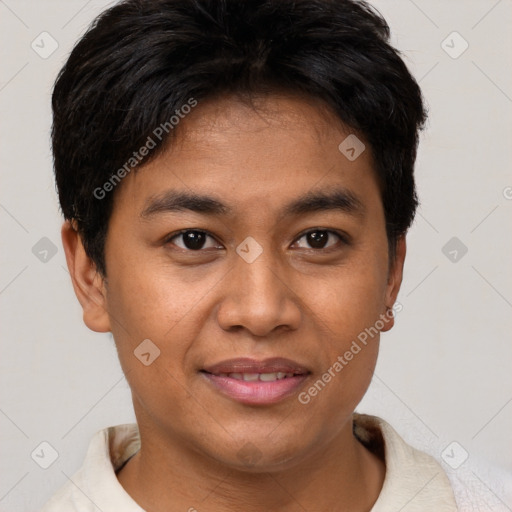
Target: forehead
<point x="258" y="155"/>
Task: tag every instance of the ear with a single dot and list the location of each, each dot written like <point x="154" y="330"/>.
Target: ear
<point x="88" y="283"/>
<point x="395" y="275"/>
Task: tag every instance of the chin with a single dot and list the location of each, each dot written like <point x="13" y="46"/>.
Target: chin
<point x="255" y="454"/>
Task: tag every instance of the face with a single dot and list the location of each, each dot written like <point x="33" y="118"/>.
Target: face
<point x="253" y="254"/>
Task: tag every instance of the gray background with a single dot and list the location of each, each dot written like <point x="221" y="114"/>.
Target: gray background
<point x="444" y="370"/>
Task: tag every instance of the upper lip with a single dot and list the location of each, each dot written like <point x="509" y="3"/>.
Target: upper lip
<point x="248" y="365"/>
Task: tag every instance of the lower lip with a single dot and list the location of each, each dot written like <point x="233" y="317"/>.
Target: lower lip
<point x="256" y="392"/>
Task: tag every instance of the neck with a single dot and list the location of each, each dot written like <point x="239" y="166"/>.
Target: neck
<point x="342" y="476"/>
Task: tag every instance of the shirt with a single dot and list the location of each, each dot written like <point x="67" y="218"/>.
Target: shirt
<point x="414" y="481"/>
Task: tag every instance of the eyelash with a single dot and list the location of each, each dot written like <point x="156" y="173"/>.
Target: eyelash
<point x="343" y="238"/>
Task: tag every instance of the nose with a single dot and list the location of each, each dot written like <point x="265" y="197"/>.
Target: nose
<point x="258" y="298"/>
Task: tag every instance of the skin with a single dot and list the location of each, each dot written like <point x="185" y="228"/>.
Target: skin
<point x="202" y="307"/>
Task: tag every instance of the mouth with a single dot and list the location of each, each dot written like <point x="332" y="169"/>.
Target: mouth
<point x="253" y="377"/>
<point x="250" y="381"/>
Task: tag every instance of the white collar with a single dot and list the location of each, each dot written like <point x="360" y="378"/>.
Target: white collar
<point x="414" y="481"/>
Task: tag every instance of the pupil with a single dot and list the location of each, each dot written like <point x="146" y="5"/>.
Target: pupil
<point x="317" y="239"/>
<point x="193" y="240"/>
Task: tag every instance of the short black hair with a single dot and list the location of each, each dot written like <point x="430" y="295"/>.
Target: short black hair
<point x="142" y="61"/>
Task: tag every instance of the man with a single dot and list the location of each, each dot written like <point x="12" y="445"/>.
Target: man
<point x="237" y="183"/>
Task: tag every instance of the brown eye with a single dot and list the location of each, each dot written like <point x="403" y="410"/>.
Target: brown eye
<point x="319" y="239"/>
<point x="192" y="240"/>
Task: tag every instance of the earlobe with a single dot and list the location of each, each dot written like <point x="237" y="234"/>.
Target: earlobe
<point x="88" y="283"/>
<point x="394" y="281"/>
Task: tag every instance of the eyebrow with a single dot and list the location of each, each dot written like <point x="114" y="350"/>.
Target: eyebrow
<point x="339" y="199"/>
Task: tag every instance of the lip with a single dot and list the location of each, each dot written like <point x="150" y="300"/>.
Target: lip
<point x="248" y="365"/>
<point x="256" y="392"/>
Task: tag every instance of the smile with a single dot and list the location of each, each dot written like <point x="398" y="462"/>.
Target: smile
<point x="249" y="381"/>
<point x="253" y="377"/>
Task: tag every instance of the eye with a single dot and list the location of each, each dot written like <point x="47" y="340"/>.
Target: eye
<point x="192" y="240"/>
<point x="320" y="239"/>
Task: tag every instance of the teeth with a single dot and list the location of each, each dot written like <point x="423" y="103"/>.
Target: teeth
<point x="252" y="377"/>
<point x="268" y="377"/>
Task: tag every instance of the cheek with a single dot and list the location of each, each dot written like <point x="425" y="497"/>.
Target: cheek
<point x="352" y="300"/>
<point x="351" y="341"/>
<point x="348" y="345"/>
<point x="149" y="322"/>
<point x="147" y="304"/>
<point x="348" y="309"/>
<point x="151" y="297"/>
